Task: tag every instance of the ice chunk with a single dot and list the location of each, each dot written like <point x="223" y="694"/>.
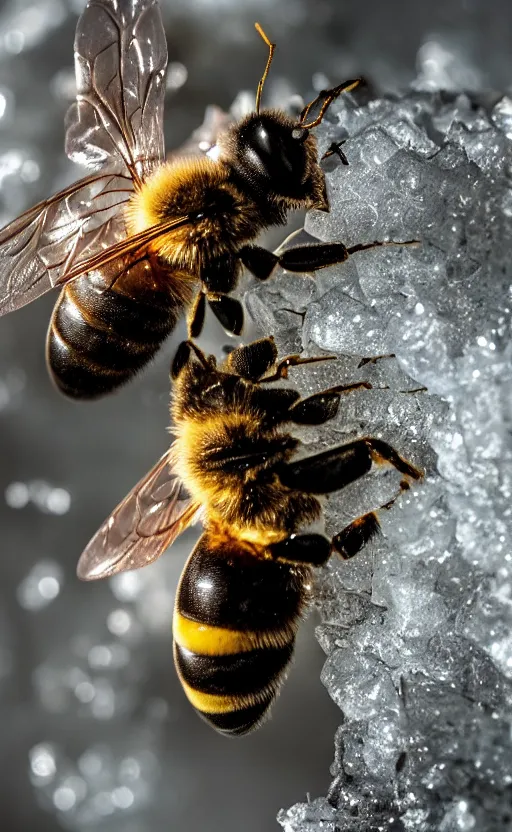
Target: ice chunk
<point x="339" y="322"/>
<point x="318" y="814"/>
<point x="502" y="116"/>
<point x="418" y="627"/>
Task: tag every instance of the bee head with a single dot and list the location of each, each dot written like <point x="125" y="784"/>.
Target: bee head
<point x="276" y="157"/>
<point x="200" y="386"/>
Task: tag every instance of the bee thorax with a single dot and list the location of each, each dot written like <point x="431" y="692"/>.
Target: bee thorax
<point x="219" y="218"/>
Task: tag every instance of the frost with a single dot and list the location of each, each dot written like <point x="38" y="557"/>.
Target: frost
<point x="417" y="628"/>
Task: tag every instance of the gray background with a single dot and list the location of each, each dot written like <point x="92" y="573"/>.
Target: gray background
<point x="96" y="452"/>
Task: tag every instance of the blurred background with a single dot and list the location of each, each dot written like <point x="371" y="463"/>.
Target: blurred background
<point x="95" y="731"/>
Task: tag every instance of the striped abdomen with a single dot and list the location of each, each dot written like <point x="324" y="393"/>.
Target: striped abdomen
<point x="99" y="337"/>
<point x="235" y="621"/>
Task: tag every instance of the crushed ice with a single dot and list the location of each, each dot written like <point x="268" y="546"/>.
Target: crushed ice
<point x="418" y="628"/>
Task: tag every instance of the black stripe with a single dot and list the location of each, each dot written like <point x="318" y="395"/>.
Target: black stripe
<point x="240" y="591"/>
<point x="77" y="378"/>
<point x="87" y="362"/>
<point x="240" y="674"/>
<point x="132" y="318"/>
<point x="239" y="722"/>
<point x="106" y="349"/>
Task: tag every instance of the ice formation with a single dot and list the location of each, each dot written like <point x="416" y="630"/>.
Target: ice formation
<point x="418" y="628"/>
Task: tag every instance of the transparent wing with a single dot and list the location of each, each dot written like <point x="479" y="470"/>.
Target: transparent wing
<point x="40" y="247"/>
<point x="153" y="514"/>
<point x="116" y="122"/>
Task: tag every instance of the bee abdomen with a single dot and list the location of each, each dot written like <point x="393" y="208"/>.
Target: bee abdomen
<point x="98" y="340"/>
<point x="235" y="622"/>
<point x="233" y="692"/>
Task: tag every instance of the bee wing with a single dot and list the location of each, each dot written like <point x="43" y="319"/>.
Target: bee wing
<point x="38" y="248"/>
<point x="116" y="122"/>
<point x="142" y="526"/>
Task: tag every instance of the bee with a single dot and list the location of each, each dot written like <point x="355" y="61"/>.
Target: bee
<point x="142" y="240"/>
<point x="235" y="466"/>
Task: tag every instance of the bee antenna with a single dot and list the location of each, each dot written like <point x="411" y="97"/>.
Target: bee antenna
<point x="271" y="47"/>
<point x="327" y="97"/>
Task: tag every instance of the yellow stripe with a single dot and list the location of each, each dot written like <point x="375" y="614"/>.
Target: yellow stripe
<point x="205" y="640"/>
<point x="210" y="703"/>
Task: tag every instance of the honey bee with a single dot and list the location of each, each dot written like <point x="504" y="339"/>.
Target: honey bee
<point x="236" y="468"/>
<point x="140" y="240"/>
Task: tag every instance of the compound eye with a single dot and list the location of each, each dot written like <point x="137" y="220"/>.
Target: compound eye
<point x="300" y="134"/>
<point x="274" y="152"/>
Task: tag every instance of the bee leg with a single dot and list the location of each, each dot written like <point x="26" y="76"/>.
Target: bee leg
<point x="353" y="537"/>
<point x="372" y="359"/>
<point x="253" y="360"/>
<point x="315" y="410"/>
<point x="316" y="256"/>
<point x="384" y="454"/>
<point x="294" y="361"/>
<point x="312" y="257"/>
<point x="306" y="258"/>
<point x="336" y="468"/>
<point x="228" y="311"/>
<point x="313" y="549"/>
<point x="182" y="358"/>
<point x="196" y="318"/>
<point x="259" y="261"/>
<point x="320" y="407"/>
<point x="275" y="404"/>
<point x="335" y="149"/>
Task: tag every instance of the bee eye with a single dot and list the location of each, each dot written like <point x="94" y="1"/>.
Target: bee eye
<point x="197" y="216"/>
<point x="299" y="133"/>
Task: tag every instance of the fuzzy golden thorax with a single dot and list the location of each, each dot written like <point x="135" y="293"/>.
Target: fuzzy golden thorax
<point x="227" y="463"/>
<point x="222" y="218"/>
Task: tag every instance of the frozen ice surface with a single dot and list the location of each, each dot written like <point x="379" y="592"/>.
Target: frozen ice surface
<point x="63" y="668"/>
<point x="418" y="627"/>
